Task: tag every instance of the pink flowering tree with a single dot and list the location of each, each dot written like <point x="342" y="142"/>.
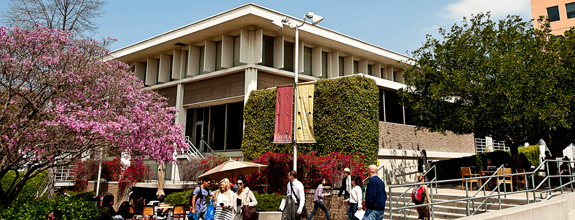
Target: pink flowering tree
<point x="62" y="97"/>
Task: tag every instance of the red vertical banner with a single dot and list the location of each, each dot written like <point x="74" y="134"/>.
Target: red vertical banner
<point x="284" y="115"/>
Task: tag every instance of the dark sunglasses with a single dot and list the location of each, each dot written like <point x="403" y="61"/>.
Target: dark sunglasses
<point x="240" y="183"/>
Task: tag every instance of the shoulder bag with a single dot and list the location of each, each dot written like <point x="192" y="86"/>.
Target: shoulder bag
<point x="248" y="212"/>
<point x="303" y="214"/>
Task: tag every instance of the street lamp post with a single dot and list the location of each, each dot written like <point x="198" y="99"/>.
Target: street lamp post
<point x="315" y="19"/>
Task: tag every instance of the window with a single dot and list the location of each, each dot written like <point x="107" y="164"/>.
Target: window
<point x="341" y="66"/>
<point x="570" y="10"/>
<point x="355" y="66"/>
<point x="288" y="56"/>
<point x="393" y="109"/>
<point x="220" y="127"/>
<point x="369" y="70"/>
<point x="323" y="64"/>
<point x="553" y="13"/>
<point x="235" y="121"/>
<point x="307" y="61"/>
<point x="268" y="51"/>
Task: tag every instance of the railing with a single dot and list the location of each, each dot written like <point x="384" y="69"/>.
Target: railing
<point x="193" y="151"/>
<point x="431" y="182"/>
<point x="65" y="174"/>
<point x="471" y="208"/>
<point x="481" y="146"/>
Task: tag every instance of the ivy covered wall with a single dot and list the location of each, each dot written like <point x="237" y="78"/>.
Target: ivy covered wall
<point x="345" y="120"/>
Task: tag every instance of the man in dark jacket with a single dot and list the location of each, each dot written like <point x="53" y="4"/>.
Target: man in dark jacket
<point x="375" y="196"/>
<point x="345" y="184"/>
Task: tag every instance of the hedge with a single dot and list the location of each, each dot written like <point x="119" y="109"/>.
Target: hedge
<point x="38" y="209"/>
<point x="180" y="198"/>
<point x="345" y="120"/>
<point x="268" y="202"/>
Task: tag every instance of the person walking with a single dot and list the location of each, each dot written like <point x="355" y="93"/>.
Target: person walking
<point x="423" y="211"/>
<point x="225" y="201"/>
<point x="295" y="199"/>
<point x="317" y="200"/>
<point x="375" y="196"/>
<point x="200" y="194"/>
<point x="245" y="197"/>
<point x="345" y="184"/>
<point x="355" y="197"/>
<point x="422" y="162"/>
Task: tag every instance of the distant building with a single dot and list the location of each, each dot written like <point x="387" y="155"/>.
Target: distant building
<point x="561" y="14"/>
<point x="207" y="70"/>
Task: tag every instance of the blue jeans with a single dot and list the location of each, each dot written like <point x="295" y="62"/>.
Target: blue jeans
<point x="351" y="211"/>
<point x="201" y="215"/>
<point x="371" y="214"/>
<point x="321" y="206"/>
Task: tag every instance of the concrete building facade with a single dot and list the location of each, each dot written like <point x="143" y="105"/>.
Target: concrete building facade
<point x="561" y="14"/>
<point x="207" y="70"/>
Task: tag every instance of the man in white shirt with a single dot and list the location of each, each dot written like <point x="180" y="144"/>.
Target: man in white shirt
<point x="296" y="191"/>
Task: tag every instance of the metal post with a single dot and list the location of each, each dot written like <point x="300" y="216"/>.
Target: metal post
<point x="99" y="172"/>
<point x="467" y="199"/>
<point x="390" y="205"/>
<point x="296" y="62"/>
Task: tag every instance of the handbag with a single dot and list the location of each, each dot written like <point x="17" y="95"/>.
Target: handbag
<point x="359" y="214"/>
<point x="282" y="204"/>
<point x="210" y="211"/>
<point x="249" y="213"/>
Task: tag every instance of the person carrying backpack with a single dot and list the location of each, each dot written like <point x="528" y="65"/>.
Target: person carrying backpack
<point x="420" y="195"/>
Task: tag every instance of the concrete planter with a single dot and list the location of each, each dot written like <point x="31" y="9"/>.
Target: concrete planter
<point x="270" y="215"/>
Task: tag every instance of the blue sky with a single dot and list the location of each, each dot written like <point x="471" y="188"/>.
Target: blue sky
<point x="397" y="25"/>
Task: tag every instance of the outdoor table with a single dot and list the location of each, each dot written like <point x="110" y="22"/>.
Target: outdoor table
<point x="486" y="173"/>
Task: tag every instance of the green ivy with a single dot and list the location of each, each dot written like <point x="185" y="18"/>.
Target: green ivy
<point x="179" y="198"/>
<point x="268" y="202"/>
<point x="532" y="153"/>
<point x="345" y="120"/>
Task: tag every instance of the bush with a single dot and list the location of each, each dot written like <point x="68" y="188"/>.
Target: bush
<point x="345" y="120"/>
<point x="38" y="209"/>
<point x="311" y="168"/>
<point x="532" y="153"/>
<point x="85" y="196"/>
<point x="268" y="202"/>
<point x="30" y="188"/>
<point x="179" y="198"/>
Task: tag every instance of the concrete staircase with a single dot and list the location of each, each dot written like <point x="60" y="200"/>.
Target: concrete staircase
<point x="455" y="209"/>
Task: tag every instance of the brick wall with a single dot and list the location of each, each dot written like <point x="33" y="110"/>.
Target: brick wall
<point x="407" y="137"/>
<point x="335" y="206"/>
<point x="109" y="188"/>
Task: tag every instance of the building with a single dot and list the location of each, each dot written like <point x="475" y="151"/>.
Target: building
<point x="207" y="70"/>
<point x="561" y="14"/>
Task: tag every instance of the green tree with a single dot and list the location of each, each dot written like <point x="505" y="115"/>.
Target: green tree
<point x="500" y="79"/>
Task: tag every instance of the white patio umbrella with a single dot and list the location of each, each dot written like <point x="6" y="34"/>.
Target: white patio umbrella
<point x="232" y="168"/>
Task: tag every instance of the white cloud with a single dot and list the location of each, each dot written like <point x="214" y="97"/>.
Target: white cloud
<point x="498" y="8"/>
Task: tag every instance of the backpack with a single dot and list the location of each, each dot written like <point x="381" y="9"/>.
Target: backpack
<point x="417" y="195"/>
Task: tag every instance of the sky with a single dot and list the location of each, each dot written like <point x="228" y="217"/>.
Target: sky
<point x="397" y="25"/>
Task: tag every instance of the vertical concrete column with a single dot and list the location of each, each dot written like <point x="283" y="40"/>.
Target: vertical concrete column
<point x="152" y="71"/>
<point x="181" y="114"/>
<point x="279" y="52"/>
<point x="376" y="70"/>
<point x="333" y="64"/>
<point x="165" y="68"/>
<point x="316" y="67"/>
<point x="398" y="76"/>
<point x="250" y="82"/>
<point x="140" y="70"/>
<point x="362" y="67"/>
<point x="389" y="73"/>
<point x="177" y="65"/>
<point x="193" y="61"/>
<point x="348" y="65"/>
<point x="227" y="51"/>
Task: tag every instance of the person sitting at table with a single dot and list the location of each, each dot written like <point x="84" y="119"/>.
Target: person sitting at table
<point x="490" y="166"/>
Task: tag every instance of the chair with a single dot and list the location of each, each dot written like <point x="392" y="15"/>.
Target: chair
<point x="148" y="210"/>
<point x="506" y="179"/>
<point x="179" y="212"/>
<point x="466" y="173"/>
<point x="520" y="179"/>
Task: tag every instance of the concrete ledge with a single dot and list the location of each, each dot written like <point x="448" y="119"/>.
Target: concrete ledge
<point x="270" y="215"/>
<point x="557" y="208"/>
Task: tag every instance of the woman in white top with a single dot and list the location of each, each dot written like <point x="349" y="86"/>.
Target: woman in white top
<point x="355" y="197"/>
<point x="245" y="198"/>
<point x="225" y="201"/>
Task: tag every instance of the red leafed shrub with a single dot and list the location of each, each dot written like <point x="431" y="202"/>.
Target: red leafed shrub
<point x="136" y="172"/>
<point x="212" y="161"/>
<point x="112" y="170"/>
<point x="310" y="169"/>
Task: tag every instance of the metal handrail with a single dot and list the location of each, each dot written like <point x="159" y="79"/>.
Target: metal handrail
<point x="192" y="150"/>
<point x="410" y="188"/>
<point x="469" y="198"/>
<point x="202" y="143"/>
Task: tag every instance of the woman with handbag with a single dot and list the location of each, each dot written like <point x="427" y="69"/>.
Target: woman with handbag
<point x="354" y="200"/>
<point x="225" y="201"/>
<point x="247" y="201"/>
